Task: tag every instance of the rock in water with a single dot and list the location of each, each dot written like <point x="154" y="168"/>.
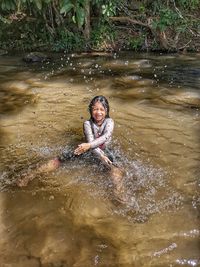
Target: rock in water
<point x="36" y="57"/>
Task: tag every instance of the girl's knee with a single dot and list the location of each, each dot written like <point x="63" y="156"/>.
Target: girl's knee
<point x="52" y="165"/>
<point x="55" y="163"/>
<point x="117" y="174"/>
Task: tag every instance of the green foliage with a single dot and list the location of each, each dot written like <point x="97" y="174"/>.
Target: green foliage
<point x="167" y="17"/>
<point x="80" y="16"/>
<point x="13" y="5"/>
<point x="68" y="41"/>
<point x="7" y="5"/>
<point x="66" y="6"/>
<point x="24" y="36"/>
<point x="38" y="4"/>
<point x="191" y="5"/>
<point x="77" y="9"/>
<point x="4" y="20"/>
<point x="61" y="24"/>
<point x="101" y="35"/>
<point x="142" y="8"/>
<point x="135" y="43"/>
<point x="155" y="45"/>
<point x="109" y="9"/>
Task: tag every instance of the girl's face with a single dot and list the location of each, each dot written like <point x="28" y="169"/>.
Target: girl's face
<point x="98" y="113"/>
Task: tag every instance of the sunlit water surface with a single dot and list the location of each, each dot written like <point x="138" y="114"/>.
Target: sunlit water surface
<point x="71" y="217"/>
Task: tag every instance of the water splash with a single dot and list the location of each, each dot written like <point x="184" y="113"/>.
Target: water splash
<point x="189" y="262"/>
<point x="165" y="250"/>
<point x="146" y="189"/>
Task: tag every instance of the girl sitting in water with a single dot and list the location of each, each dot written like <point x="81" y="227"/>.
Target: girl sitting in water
<point x="98" y="130"/>
<point x="98" y="133"/>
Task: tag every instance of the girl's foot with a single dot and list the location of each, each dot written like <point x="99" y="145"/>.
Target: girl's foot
<point x="121" y="198"/>
<point x="25" y="179"/>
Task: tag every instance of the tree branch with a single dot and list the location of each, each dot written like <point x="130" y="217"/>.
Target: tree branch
<point x="182" y="47"/>
<point x="129" y="20"/>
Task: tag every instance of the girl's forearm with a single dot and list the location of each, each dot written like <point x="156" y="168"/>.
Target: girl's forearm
<point x="100" y="140"/>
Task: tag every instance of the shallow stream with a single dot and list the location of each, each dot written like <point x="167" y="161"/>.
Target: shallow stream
<point x="70" y="217"/>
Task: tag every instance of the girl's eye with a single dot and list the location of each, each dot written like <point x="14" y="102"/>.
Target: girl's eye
<point x="98" y="109"/>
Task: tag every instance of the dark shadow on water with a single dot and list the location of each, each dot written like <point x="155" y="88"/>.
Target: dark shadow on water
<point x="42" y="228"/>
<point x="13" y="101"/>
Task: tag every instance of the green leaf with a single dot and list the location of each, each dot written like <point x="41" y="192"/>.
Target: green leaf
<point x="74" y="19"/>
<point x="80" y="15"/>
<point x="66" y="8"/>
<point x="38" y="3"/>
<point x="12" y="5"/>
<point x="81" y="2"/>
<point x="4" y="20"/>
<point x="3" y="6"/>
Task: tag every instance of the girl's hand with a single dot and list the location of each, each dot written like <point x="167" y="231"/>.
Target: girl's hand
<point x="82" y="148"/>
<point x="106" y="160"/>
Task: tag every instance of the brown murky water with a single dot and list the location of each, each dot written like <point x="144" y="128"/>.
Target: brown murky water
<point x="70" y="217"/>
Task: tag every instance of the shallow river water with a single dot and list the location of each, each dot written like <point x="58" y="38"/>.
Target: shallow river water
<point x="70" y="217"/>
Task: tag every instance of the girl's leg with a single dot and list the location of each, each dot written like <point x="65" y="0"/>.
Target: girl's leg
<point x="51" y="165"/>
<point x="117" y="173"/>
<point x="117" y="177"/>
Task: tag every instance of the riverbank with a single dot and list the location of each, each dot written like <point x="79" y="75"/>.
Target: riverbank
<point x="143" y="26"/>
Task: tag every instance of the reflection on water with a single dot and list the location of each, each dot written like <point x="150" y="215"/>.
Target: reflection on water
<point x="70" y="217"/>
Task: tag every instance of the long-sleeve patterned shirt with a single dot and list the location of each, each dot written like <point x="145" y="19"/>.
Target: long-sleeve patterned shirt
<point x="98" y="136"/>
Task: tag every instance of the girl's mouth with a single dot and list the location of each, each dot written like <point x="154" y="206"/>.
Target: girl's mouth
<point x="99" y="117"/>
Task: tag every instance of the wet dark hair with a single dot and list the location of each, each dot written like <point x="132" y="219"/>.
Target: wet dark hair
<point x="104" y="103"/>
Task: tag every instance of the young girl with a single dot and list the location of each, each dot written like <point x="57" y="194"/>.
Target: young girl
<point x="98" y="133"/>
<point x="98" y="130"/>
